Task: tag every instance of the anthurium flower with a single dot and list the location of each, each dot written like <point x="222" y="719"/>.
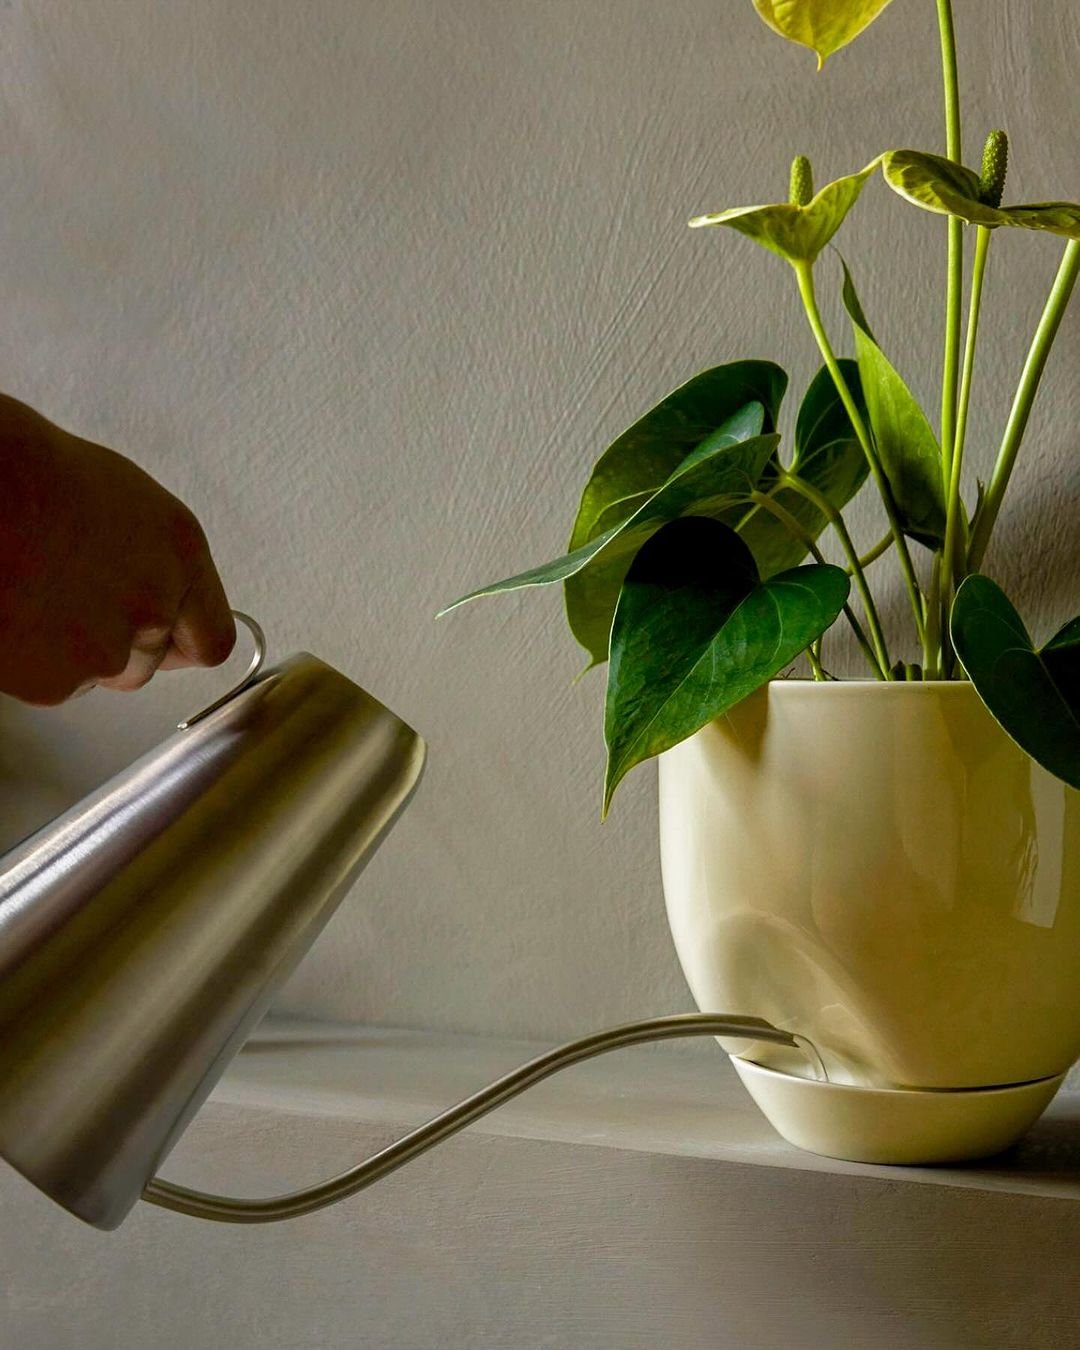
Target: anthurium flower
<point x="938" y="184"/>
<point x="796" y="232"/>
<point x="822" y="25"/>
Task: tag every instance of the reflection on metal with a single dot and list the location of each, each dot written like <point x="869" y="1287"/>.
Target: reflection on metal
<point x="142" y="933"/>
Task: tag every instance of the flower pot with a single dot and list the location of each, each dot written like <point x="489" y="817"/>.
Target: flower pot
<point x="876" y="867"/>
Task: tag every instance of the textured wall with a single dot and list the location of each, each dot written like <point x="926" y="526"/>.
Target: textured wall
<point x="371" y="284"/>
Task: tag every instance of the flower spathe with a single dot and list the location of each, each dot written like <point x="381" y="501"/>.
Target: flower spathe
<point x="822" y="25"/>
<point x="937" y="184"/>
<point x="797" y="233"/>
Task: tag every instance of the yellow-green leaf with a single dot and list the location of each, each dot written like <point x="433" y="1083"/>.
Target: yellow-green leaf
<point x="938" y="184"/>
<point x="822" y="25"/>
<point x="797" y="233"/>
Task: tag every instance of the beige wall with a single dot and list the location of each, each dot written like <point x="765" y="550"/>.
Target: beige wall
<point x="371" y="284"/>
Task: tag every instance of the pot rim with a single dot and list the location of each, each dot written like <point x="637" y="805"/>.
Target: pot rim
<point x="803" y="682"/>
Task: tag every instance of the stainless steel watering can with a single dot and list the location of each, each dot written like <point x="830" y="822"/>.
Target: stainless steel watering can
<point x="143" y="932"/>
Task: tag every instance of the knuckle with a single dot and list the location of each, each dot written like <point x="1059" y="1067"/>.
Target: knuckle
<point x="187" y="534"/>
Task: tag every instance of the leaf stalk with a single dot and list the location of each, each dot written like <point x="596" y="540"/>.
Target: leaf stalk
<point x="804" y="274"/>
<point x="1052" y="315"/>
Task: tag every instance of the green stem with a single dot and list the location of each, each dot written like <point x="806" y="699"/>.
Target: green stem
<point x="955" y="257"/>
<point x="952" y="562"/>
<point x="805" y="275"/>
<point x="784" y="516"/>
<point x="836" y="520"/>
<point x="878" y="550"/>
<point x="813" y="655"/>
<point x="1049" y="323"/>
<point x="936" y="619"/>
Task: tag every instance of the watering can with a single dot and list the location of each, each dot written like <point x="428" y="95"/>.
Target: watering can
<point x="144" y="932"/>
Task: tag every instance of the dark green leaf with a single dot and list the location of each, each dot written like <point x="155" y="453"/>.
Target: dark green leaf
<point x="907" y="447"/>
<point x="649" y="452"/>
<point x="544" y="574"/>
<point x="696" y="631"/>
<point x="708" y="486"/>
<point x="1034" y="695"/>
<point x="828" y="456"/>
<point x="740" y="426"/>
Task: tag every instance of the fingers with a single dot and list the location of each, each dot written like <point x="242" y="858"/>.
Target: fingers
<point x="148" y="649"/>
<point x="204" y="632"/>
<point x="105" y="576"/>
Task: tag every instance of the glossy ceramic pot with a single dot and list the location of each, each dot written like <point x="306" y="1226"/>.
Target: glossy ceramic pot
<point x="877" y="867"/>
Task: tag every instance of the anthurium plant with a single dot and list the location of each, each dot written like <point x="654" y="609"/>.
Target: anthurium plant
<point x="694" y="568"/>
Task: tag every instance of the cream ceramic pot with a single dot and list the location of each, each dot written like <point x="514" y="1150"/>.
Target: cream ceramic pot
<point x="877" y="867"/>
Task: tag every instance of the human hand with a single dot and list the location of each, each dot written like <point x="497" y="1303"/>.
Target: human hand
<point x="105" y="577"/>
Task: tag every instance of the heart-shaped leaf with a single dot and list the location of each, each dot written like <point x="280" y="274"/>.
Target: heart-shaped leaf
<point x="1033" y="694"/>
<point x="696" y="631"/>
<point x="907" y="447"/>
<point x="714" y="487"/>
<point x="649" y="452"/>
<point x="708" y="483"/>
<point x="797" y="233"/>
<point x="822" y="25"/>
<point x="950" y="189"/>
<point x="743" y="425"/>
<point x="828" y="456"/>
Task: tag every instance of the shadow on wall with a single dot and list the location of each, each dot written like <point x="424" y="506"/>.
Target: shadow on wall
<point x="1036" y="549"/>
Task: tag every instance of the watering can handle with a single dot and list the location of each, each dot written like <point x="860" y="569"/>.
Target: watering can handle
<point x="225" y="1209"/>
<point x="258" y="656"/>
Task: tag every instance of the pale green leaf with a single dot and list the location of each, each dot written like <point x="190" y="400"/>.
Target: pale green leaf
<point x="937" y="184"/>
<point x="797" y="233"/>
<point x="822" y="25"/>
<point x="696" y="631"/>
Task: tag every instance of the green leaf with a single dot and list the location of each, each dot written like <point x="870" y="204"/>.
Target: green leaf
<point x="853" y="304"/>
<point x="543" y="575"/>
<point x="649" y="452"/>
<point x="1033" y="695"/>
<point x="828" y="456"/>
<point x="822" y="25"/>
<point x="938" y="184"/>
<point x="709" y="485"/>
<point x="696" y="631"/>
<point x="907" y="447"/>
<point x="797" y="233"/>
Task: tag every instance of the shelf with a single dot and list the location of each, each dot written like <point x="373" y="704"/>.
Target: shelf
<point x="686" y="1103"/>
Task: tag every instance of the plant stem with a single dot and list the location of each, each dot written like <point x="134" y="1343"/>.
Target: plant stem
<point x="805" y="275"/>
<point x="936" y="620"/>
<point x="836" y="520"/>
<point x="1049" y="323"/>
<point x="813" y="655"/>
<point x="873" y="554"/>
<point x="784" y="516"/>
<point x="952" y="562"/>
<point x="955" y="257"/>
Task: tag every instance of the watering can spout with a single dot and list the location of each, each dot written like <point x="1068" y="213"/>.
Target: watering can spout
<point x="143" y="932"/>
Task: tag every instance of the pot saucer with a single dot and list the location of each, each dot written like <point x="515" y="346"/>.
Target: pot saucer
<point x="895" y="1125"/>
